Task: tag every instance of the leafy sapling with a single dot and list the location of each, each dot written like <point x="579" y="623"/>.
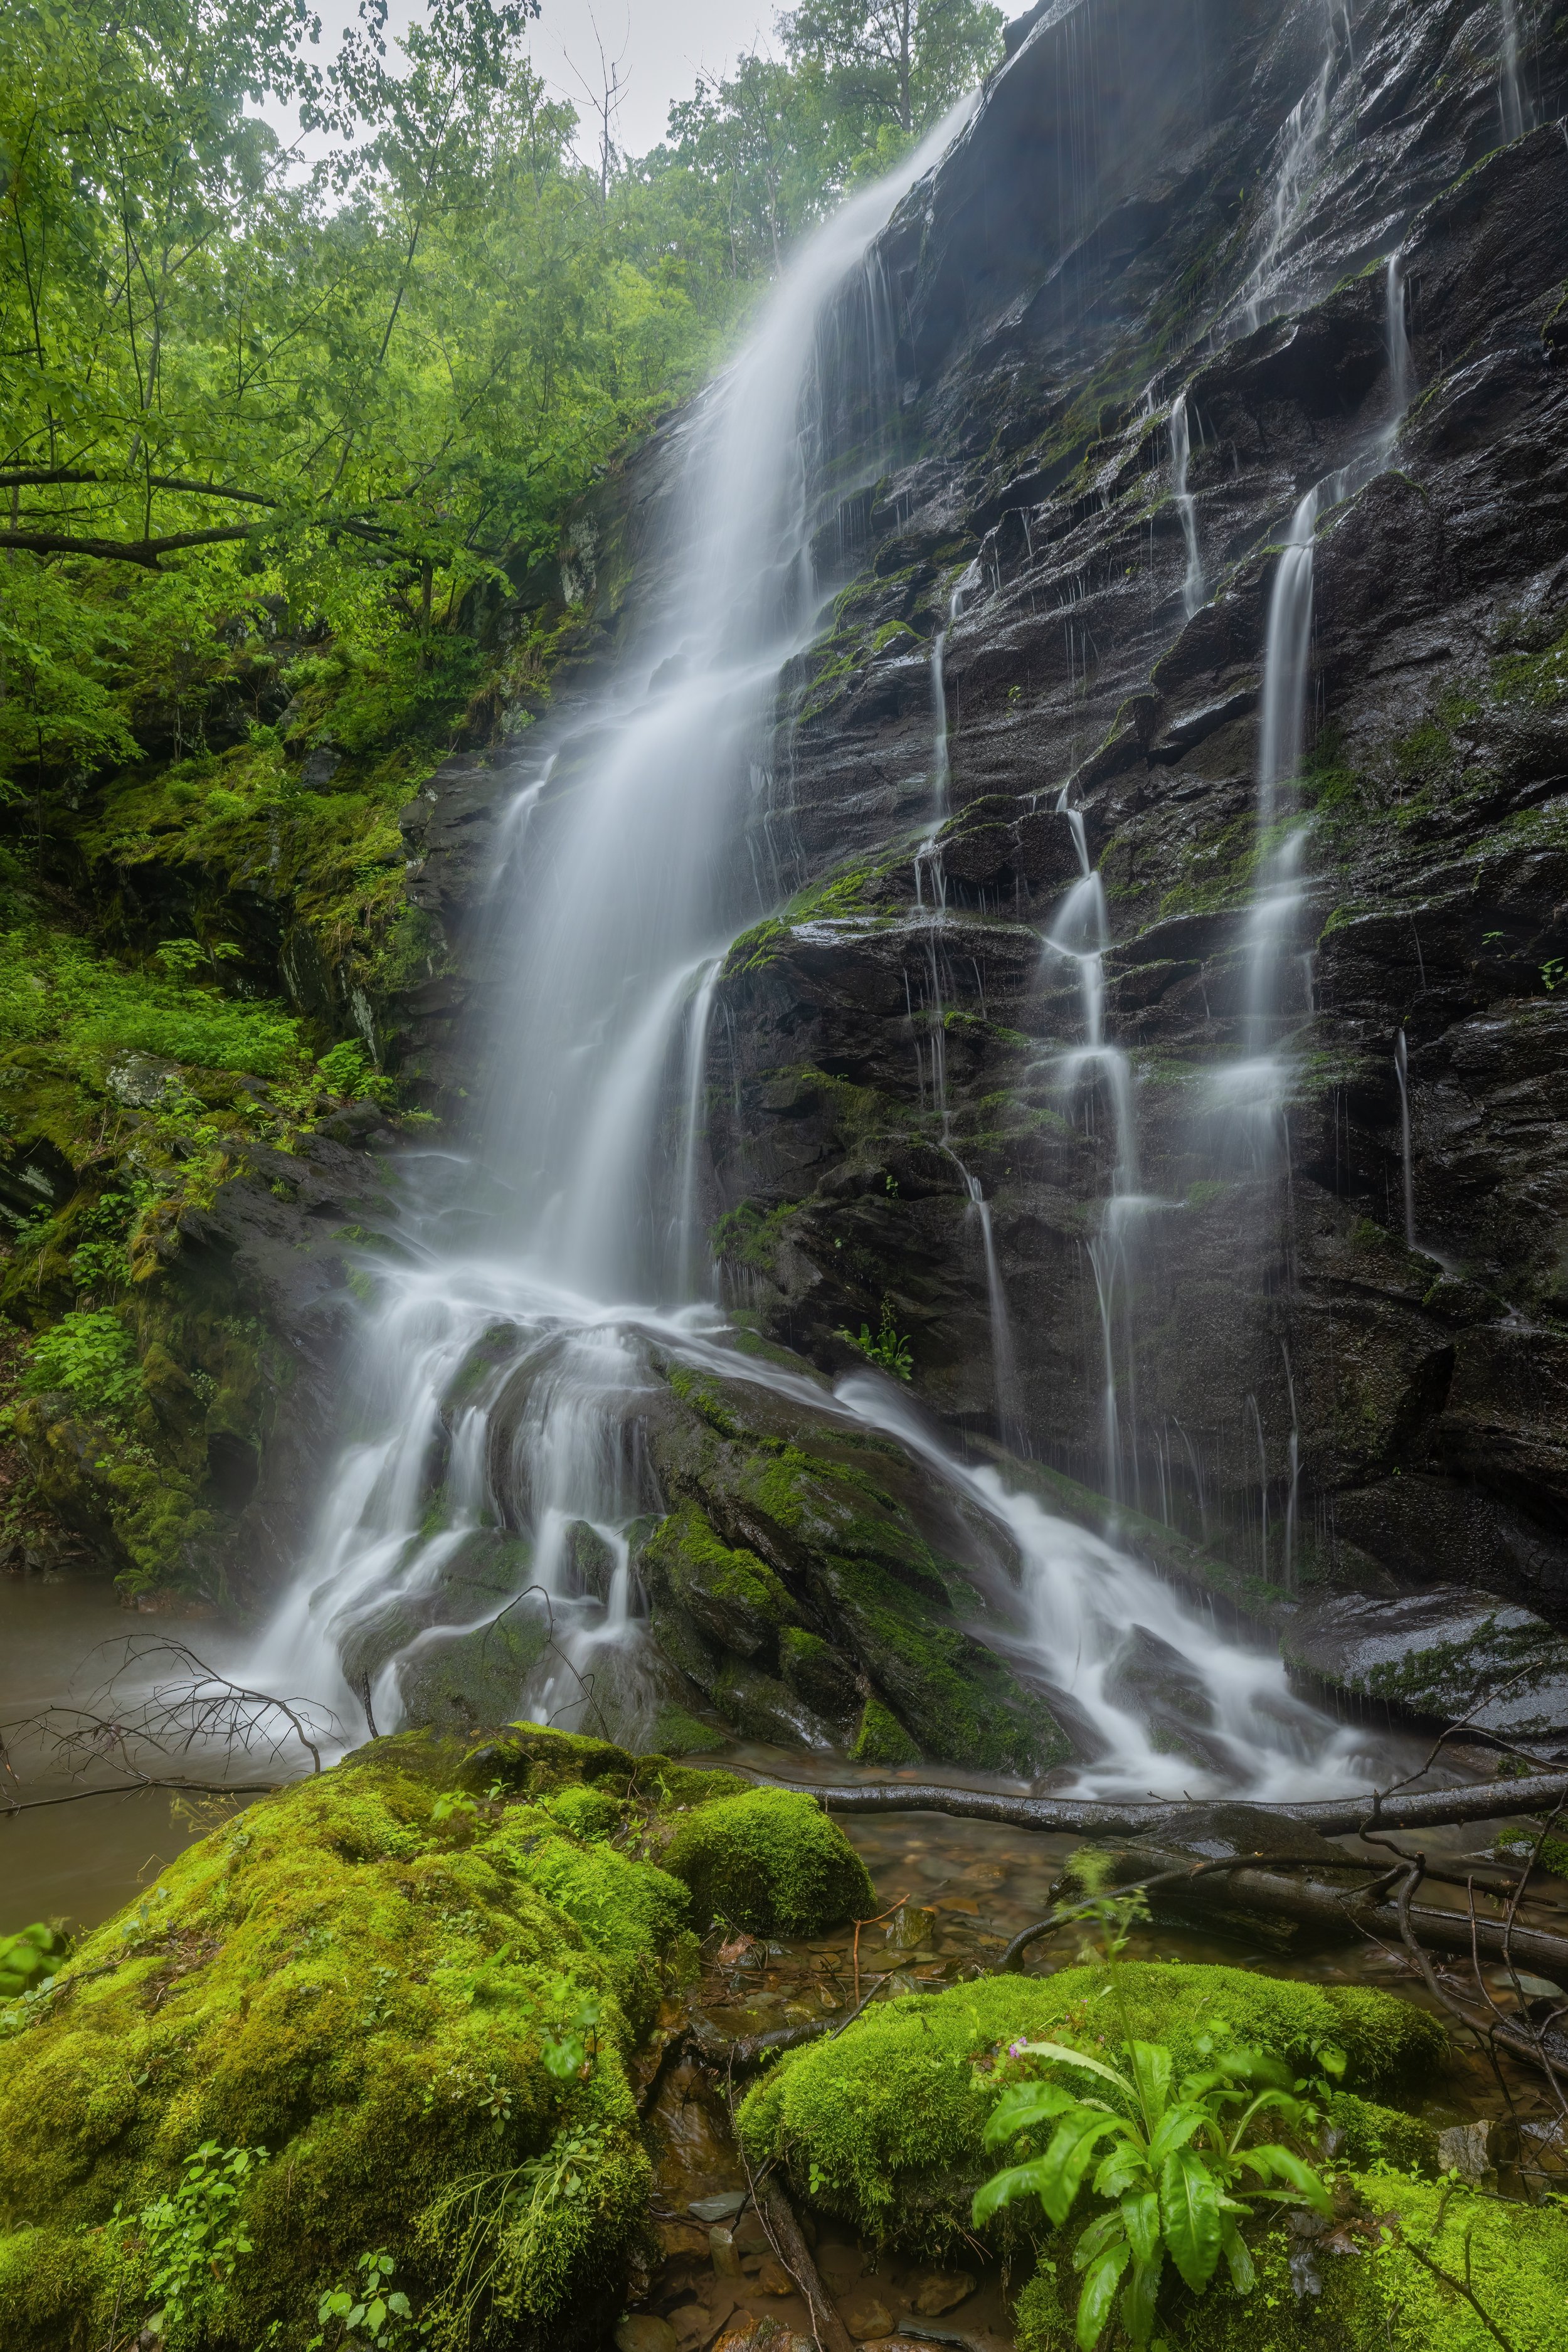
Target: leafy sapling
<point x="1175" y="2170"/>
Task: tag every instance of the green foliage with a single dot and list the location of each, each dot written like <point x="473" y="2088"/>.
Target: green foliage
<point x="193" y="2240"/>
<point x="92" y="1357"/>
<point x="29" y="1959"/>
<point x="771" y="1862"/>
<point x="890" y="1351"/>
<point x="394" y="2008"/>
<point x="373" y="2311"/>
<point x="1391" y="2277"/>
<point x="1173" y="2173"/>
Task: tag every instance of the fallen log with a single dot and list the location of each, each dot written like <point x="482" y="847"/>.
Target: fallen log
<point x="1489" y="1801"/>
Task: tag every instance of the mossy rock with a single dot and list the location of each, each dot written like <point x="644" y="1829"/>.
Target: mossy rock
<point x="530" y="1756"/>
<point x="1377" y="2296"/>
<point x="385" y="1995"/>
<point x="881" y="1738"/>
<point x="1368" y="2134"/>
<point x="883" y="2126"/>
<point x="771" y="1862"/>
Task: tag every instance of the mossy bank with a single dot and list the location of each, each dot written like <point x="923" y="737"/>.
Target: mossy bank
<point x="411" y="1994"/>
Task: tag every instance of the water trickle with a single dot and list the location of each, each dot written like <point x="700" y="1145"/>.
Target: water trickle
<point x="1510" y="90"/>
<point x="1186" y="506"/>
<point x="1299" y="145"/>
<point x="1406" y="1168"/>
<point x="930" y="900"/>
<point x="1398" y="330"/>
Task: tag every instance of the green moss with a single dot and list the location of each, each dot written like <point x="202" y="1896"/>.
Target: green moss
<point x="680" y="1732"/>
<point x="883" y="2126"/>
<point x="1371" y="2134"/>
<point x="390" y="1996"/>
<point x="731" y="1595"/>
<point x="881" y="1738"/>
<point x="585" y="1813"/>
<point x="770" y="1861"/>
<point x="1376" y="2296"/>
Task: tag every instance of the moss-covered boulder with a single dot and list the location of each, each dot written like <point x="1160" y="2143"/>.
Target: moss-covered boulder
<point x="415" y="2003"/>
<point x="1364" y="2285"/>
<point x="769" y="1861"/>
<point x="883" y="2126"/>
<point x="808" y="1570"/>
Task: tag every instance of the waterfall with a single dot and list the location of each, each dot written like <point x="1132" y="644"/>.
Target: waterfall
<point x="1079" y="937"/>
<point x="485" y="1505"/>
<point x="1510" y="92"/>
<point x="930" y="877"/>
<point x="1299" y="144"/>
<point x="1406" y="1170"/>
<point x="1186" y="506"/>
<point x="1396" y="331"/>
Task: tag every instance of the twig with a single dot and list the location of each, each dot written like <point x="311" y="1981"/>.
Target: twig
<point x="129" y="1787"/>
<point x="871" y="1923"/>
<point x="1460" y="2286"/>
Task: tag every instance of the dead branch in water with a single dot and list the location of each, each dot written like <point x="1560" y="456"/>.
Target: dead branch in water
<point x="134" y="1721"/>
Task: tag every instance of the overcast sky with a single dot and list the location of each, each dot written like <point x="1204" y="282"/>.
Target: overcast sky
<point x="662" y="45"/>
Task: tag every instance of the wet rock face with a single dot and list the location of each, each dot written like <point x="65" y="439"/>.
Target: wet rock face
<point x="1325" y="1400"/>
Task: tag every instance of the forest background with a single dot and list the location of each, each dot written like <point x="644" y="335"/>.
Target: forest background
<point x="288" y="436"/>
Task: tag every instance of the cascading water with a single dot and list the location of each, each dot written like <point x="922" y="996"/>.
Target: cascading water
<point x="1406" y="1170"/>
<point x="489" y="1502"/>
<point x="1079" y="937"/>
<point x="931" y="899"/>
<point x="1186" y="506"/>
<point x="1510" y="92"/>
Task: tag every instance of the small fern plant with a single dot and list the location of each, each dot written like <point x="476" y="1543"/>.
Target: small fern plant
<point x="1172" y="2160"/>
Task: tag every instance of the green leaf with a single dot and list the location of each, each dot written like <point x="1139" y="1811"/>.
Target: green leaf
<point x="1019" y="2180"/>
<point x="1099" y="2295"/>
<point x="1069" y="2156"/>
<point x="1176" y="2129"/>
<point x="1141" y="2217"/>
<point x="1189" y="2211"/>
<point x="1243" y="2275"/>
<point x="1022" y="2106"/>
<point x="1126" y="2166"/>
<point x="1138" y="2302"/>
<point x="1284" y="2164"/>
<point x="1109" y="2230"/>
<point x="1151" y="2073"/>
<point x="1066" y="2057"/>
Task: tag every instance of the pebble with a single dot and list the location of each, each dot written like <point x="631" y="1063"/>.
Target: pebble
<point x="935" y="2291"/>
<point x="866" y="2318"/>
<point x="773" y="2277"/>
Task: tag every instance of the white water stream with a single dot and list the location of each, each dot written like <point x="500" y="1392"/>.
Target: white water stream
<point x="503" y="1367"/>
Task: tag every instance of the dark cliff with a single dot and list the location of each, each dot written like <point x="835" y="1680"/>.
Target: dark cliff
<point x="1316" y="1405"/>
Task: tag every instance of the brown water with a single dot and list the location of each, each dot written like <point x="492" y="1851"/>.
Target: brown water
<point x="81" y="1860"/>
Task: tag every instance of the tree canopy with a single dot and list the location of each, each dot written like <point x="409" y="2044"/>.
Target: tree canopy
<point x="359" y="387"/>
